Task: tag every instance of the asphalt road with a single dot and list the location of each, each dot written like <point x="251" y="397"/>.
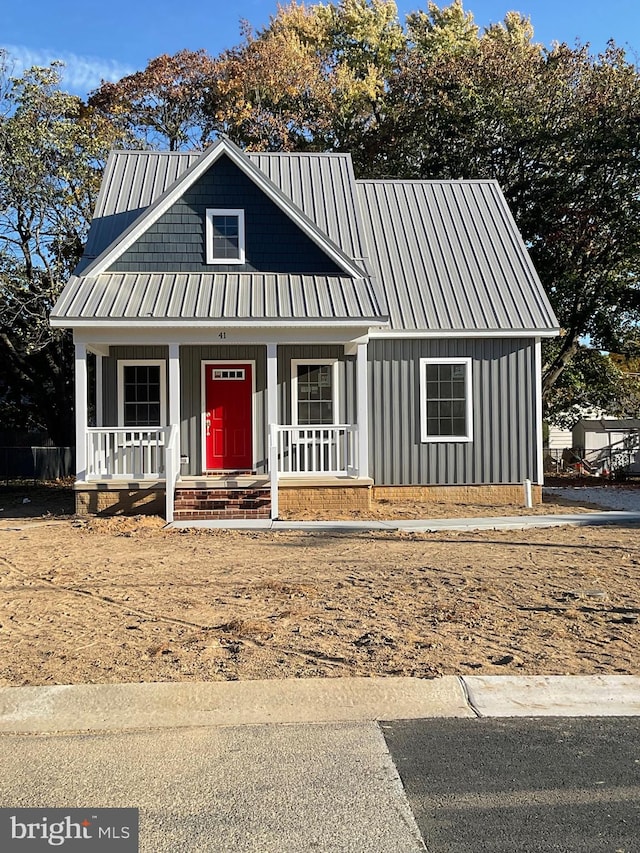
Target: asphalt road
<point x="500" y="785"/>
<point x="567" y="785"/>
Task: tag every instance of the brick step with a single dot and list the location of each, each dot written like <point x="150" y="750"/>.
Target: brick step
<point x="233" y="503"/>
<point x="208" y="494"/>
<point x="204" y="515"/>
<point x="216" y="505"/>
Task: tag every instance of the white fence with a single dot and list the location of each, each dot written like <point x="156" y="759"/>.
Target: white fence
<point x="309" y="450"/>
<point x="137" y="454"/>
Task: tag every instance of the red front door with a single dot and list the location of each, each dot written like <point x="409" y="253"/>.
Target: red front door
<point x="228" y="433"/>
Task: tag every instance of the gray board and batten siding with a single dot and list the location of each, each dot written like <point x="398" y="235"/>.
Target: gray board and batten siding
<point x="504" y="446"/>
<point x="191" y="359"/>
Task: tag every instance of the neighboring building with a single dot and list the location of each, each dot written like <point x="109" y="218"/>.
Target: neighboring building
<point x="605" y="444"/>
<point x="259" y="314"/>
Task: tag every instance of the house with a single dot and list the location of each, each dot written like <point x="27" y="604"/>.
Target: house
<point x="605" y="444"/>
<point x="262" y="332"/>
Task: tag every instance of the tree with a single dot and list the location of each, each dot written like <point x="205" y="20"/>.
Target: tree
<point x="52" y="151"/>
<point x="315" y="78"/>
<point x="560" y="131"/>
<point x="593" y="380"/>
<point x="161" y="106"/>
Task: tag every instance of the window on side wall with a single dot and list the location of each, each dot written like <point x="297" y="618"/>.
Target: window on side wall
<point x="314" y="393"/>
<point x="446" y="399"/>
<point x="225" y="236"/>
<point x="141" y="393"/>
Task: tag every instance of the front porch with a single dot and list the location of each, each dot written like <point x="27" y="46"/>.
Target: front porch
<point x="210" y="498"/>
<point x="201" y="459"/>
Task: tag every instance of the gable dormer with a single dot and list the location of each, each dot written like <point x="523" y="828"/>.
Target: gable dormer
<point x="225" y="212"/>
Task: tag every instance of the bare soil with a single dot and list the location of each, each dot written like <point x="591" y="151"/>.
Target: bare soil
<point x="125" y="600"/>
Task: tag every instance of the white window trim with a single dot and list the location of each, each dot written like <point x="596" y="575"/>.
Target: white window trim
<point x="218" y="211"/>
<point x="143" y="362"/>
<point x="468" y="391"/>
<point x="295" y="363"/>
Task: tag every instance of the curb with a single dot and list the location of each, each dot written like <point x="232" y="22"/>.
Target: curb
<point x="110" y="707"/>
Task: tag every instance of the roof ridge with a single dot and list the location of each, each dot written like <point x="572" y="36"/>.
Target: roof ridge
<point x="345" y="154"/>
<point x="453" y="181"/>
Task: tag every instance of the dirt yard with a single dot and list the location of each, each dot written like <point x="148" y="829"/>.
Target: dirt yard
<point x="125" y="600"/>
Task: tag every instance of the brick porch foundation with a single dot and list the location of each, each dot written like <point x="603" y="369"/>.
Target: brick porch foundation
<point x="495" y="495"/>
<point x="326" y="498"/>
<point x="95" y="501"/>
<point x="292" y="498"/>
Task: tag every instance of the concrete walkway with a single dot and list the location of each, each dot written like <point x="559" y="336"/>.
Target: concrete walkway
<point x="511" y="522"/>
<point x="109" y="707"/>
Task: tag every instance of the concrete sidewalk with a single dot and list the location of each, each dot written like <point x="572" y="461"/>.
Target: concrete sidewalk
<point x="510" y="522"/>
<point x="111" y="707"/>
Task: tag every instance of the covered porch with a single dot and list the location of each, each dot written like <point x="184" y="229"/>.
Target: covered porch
<point x="149" y="414"/>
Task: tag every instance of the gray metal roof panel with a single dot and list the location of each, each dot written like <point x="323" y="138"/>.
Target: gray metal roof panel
<point x="223" y="296"/>
<point x="322" y="186"/>
<point x="449" y="256"/>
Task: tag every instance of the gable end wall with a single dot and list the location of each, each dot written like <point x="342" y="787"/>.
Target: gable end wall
<point x="176" y="242"/>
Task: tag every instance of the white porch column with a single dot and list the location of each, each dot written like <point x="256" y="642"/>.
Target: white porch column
<point x="272" y="383"/>
<point x="272" y="419"/>
<point x="99" y="386"/>
<point x="174" y="394"/>
<point x="81" y="402"/>
<point x="362" y="401"/>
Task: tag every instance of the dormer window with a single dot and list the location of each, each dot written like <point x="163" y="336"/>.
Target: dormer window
<point x="225" y="236"/>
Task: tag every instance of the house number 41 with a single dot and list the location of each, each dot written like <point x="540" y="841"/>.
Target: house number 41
<point x="222" y="335"/>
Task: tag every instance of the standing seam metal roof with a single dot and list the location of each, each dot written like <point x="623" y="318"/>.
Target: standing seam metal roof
<point x="446" y="254"/>
<point x="224" y="296"/>
<point x="449" y="257"/>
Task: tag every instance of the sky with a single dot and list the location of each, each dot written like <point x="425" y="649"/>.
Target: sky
<point x="106" y="40"/>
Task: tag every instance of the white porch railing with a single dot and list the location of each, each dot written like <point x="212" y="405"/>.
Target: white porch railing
<point x="309" y="450"/>
<point x="119" y="452"/>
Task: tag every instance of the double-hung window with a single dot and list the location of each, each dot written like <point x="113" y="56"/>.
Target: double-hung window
<point x="141" y="393"/>
<point x="445" y="399"/>
<point x="314" y="392"/>
<point x="225" y="236"/>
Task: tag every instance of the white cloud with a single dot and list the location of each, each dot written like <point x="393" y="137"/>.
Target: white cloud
<point x="80" y="74"/>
